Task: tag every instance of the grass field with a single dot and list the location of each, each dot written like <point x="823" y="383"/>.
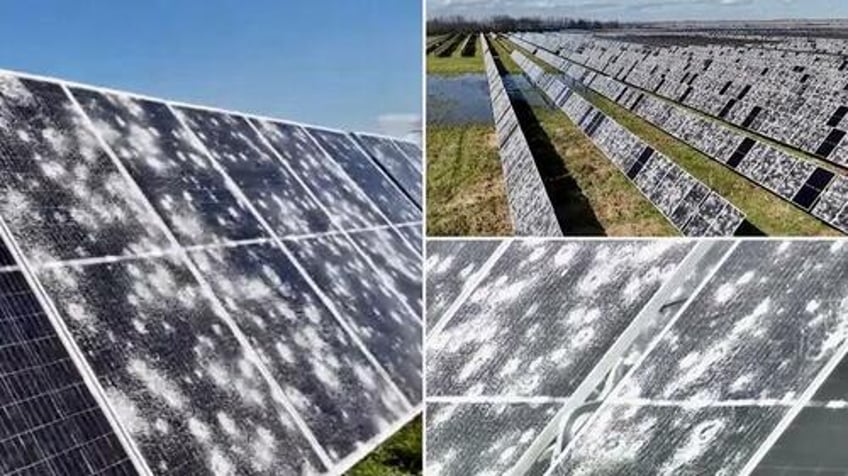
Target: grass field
<point x="456" y="63"/>
<point x="465" y="189"/>
<point x="398" y="456"/>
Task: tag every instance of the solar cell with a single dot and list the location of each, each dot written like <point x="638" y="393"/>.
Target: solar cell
<point x="391" y="333"/>
<point x="344" y="398"/>
<point x="451" y="267"/>
<point x="501" y="433"/>
<point x="175" y="374"/>
<point x="275" y="192"/>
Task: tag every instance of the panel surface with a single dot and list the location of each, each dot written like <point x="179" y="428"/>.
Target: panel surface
<point x="521" y="333"/>
<point x="638" y="440"/>
<point x="49" y="421"/>
<point x="273" y="190"/>
<point x="480" y="438"/>
<point x="396" y="263"/>
<point x="763" y="327"/>
<point x="394" y="204"/>
<point x="60" y="194"/>
<point x="391" y="334"/>
<point x="391" y="158"/>
<point x="338" y="392"/>
<point x="349" y="206"/>
<point x="449" y="266"/>
<point x="171" y="168"/>
<point x="174" y="373"/>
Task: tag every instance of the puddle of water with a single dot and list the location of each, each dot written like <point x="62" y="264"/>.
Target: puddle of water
<point x="519" y="87"/>
<point x="458" y="99"/>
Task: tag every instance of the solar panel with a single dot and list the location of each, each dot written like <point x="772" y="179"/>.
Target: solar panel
<point x="238" y="299"/>
<point x="793" y="179"/>
<point x="530" y="206"/>
<point x="388" y="155"/>
<point x="517" y="333"/>
<point x="391" y="200"/>
<point x="451" y="268"/>
<point x="738" y="362"/>
<point x="501" y="433"/>
<point x="49" y="421"/>
<point x="688" y="204"/>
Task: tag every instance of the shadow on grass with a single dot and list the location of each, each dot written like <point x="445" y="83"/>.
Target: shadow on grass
<point x="748" y="229"/>
<point x="573" y="210"/>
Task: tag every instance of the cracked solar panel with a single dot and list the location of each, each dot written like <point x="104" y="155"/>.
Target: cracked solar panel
<point x="450" y="265"/>
<point x="481" y="438"/>
<point x="347" y="203"/>
<point x="60" y="194"/>
<point x="396" y="262"/>
<point x="173" y="372"/>
<point x="386" y="327"/>
<point x="340" y="394"/>
<point x="392" y="202"/>
<point x="391" y="158"/>
<point x="49" y="421"/>
<point x="752" y="341"/>
<point x="273" y="190"/>
<point x="170" y="167"/>
<point x="507" y="337"/>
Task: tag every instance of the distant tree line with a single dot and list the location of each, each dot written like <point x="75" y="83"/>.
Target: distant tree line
<point x="504" y="23"/>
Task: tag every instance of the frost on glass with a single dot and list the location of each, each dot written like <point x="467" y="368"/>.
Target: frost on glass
<point x="173" y="372"/>
<point x="340" y="395"/>
<point x="60" y="194"/>
<point x="170" y="167"/>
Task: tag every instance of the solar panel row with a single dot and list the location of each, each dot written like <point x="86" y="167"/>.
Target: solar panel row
<point x="812" y="188"/>
<point x="244" y="292"/>
<point x="530" y="206"/>
<point x="762" y="84"/>
<point x="692" y="207"/>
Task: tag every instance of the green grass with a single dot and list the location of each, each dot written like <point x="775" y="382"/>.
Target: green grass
<point x="617" y="205"/>
<point x="457" y="64"/>
<point x="465" y="189"/>
<point x="400" y="455"/>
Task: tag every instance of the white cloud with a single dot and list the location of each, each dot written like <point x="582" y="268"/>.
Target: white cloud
<point x="405" y="126"/>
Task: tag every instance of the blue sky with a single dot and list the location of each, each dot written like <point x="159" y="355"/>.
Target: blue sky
<point x="646" y="10"/>
<point x="337" y="63"/>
